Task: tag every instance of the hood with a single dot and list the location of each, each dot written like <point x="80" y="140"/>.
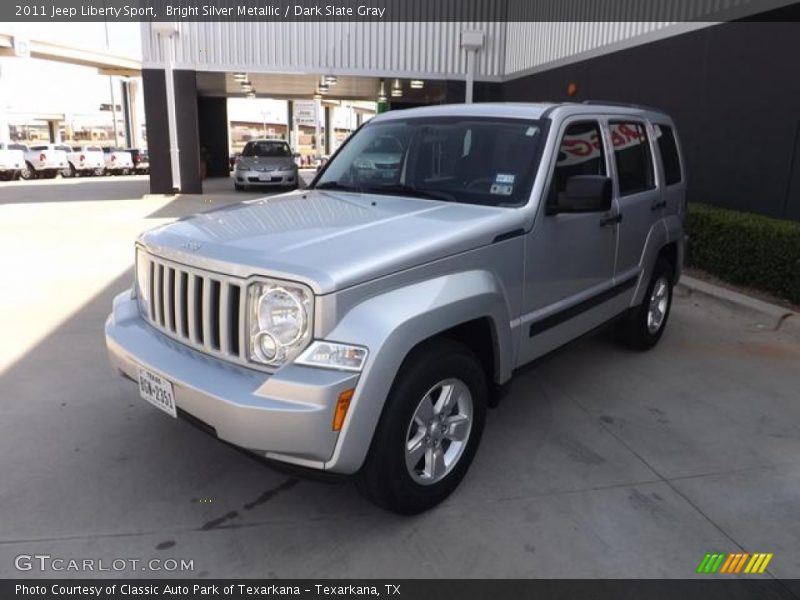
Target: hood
<point x="267" y="163"/>
<point x="329" y="240"/>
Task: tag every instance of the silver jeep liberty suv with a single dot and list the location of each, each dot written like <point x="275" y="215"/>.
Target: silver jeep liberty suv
<point x="363" y="325"/>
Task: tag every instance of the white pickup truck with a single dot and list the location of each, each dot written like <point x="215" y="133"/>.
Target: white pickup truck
<point x="12" y="160"/>
<point x="85" y="160"/>
<point x="44" y="161"/>
<point x="117" y="162"/>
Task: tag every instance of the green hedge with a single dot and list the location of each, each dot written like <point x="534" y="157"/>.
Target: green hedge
<point x="746" y="249"/>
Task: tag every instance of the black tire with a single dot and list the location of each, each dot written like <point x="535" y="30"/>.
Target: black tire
<point x="634" y="330"/>
<point x="384" y="478"/>
<point x="70" y="171"/>
<point x="28" y="172"/>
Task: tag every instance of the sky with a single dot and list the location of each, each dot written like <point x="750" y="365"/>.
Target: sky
<point x="32" y="85"/>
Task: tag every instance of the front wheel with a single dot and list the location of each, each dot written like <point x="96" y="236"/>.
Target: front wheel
<point x="643" y="327"/>
<point x="429" y="431"/>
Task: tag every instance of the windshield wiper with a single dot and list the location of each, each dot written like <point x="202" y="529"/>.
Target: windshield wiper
<point x="335" y="185"/>
<point x="402" y="188"/>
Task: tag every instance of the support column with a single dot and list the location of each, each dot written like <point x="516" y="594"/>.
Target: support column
<point x="212" y="116"/>
<point x="158" y="144"/>
<point x="328" y="131"/>
<point x="188" y="134"/>
<point x="156" y="125"/>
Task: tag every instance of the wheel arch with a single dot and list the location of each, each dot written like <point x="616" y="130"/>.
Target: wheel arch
<point x="469" y="307"/>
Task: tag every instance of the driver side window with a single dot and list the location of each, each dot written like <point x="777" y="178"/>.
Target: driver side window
<point x="580" y="153"/>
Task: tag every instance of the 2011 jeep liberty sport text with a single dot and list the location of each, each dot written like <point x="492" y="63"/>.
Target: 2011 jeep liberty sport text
<point x="363" y="325"/>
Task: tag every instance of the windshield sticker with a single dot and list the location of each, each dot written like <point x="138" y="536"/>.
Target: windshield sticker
<point x="531" y="131"/>
<point x="502" y="189"/>
<point x="504" y="178"/>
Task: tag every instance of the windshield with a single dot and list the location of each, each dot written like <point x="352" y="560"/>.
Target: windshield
<point x="460" y="159"/>
<point x="266" y="149"/>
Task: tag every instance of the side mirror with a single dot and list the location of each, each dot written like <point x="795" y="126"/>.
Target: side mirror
<point x="584" y="193"/>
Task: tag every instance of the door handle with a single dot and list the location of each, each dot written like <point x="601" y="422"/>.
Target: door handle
<point x="659" y="204"/>
<point x="613" y="220"/>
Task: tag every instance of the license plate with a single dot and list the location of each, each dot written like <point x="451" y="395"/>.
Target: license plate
<point x="265" y="177"/>
<point x="157" y="391"/>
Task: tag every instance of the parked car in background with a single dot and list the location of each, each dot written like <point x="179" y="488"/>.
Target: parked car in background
<point x="12" y="160"/>
<point x="43" y="161"/>
<point x="364" y="325"/>
<point x="266" y="163"/>
<point x="141" y="160"/>
<point x="83" y="160"/>
<point x="117" y="162"/>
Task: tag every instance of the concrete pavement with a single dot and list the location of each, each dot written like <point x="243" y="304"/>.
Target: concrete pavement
<point x="600" y="462"/>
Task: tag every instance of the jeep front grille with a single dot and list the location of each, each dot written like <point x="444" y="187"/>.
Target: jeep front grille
<point x="202" y="309"/>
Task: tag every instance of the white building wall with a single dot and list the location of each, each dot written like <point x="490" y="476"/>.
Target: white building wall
<point x="529" y="40"/>
<point x="430" y="49"/>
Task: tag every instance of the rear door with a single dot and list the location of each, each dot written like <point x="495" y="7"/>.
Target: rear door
<point x="637" y="192"/>
<point x="569" y="257"/>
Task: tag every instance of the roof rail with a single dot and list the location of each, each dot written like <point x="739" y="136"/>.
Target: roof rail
<point x="623" y="105"/>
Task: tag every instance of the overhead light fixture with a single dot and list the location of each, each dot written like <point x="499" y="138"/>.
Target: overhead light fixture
<point x="247" y="87"/>
<point x="323" y="88"/>
<point x="240" y="76"/>
<point x="331" y="79"/>
<point x="317" y="96"/>
<point x="382" y="92"/>
<point x="250" y="94"/>
<point x="417" y="84"/>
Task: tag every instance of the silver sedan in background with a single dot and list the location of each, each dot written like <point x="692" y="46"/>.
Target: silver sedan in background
<point x="266" y="163"/>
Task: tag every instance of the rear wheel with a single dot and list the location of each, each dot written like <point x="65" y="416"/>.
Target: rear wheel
<point x="27" y="172"/>
<point x="429" y="431"/>
<point x="643" y="327"/>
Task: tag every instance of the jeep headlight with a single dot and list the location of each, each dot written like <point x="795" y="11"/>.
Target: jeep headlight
<point x="279" y="321"/>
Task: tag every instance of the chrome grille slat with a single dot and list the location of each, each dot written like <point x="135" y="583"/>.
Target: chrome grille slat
<point x="201" y="309"/>
<point x="180" y="304"/>
<point x="169" y="298"/>
<point x="191" y="313"/>
<point x="225" y="341"/>
<point x="159" y="308"/>
<point x="206" y="313"/>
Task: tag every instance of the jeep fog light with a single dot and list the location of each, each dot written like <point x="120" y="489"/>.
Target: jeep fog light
<point x="330" y="355"/>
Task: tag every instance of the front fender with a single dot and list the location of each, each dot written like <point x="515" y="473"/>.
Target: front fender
<point x="393" y="323"/>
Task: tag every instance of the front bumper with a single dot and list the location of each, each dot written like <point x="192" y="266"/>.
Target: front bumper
<point x="271" y="178"/>
<point x="285" y="416"/>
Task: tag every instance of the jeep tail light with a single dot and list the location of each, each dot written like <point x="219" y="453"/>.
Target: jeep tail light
<point x="113" y="157"/>
<point x="82" y="157"/>
<point x="42" y="157"/>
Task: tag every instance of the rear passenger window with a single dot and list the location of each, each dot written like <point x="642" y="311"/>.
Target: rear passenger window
<point x="668" y="149"/>
<point x="632" y="156"/>
<point x="580" y="153"/>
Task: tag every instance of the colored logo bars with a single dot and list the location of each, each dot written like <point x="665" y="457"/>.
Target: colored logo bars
<point x="734" y="563"/>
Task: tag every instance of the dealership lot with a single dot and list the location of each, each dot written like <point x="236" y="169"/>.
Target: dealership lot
<point x="599" y="463"/>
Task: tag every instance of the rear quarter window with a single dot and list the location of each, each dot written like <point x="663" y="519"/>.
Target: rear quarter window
<point x="668" y="148"/>
<point x="632" y="156"/>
